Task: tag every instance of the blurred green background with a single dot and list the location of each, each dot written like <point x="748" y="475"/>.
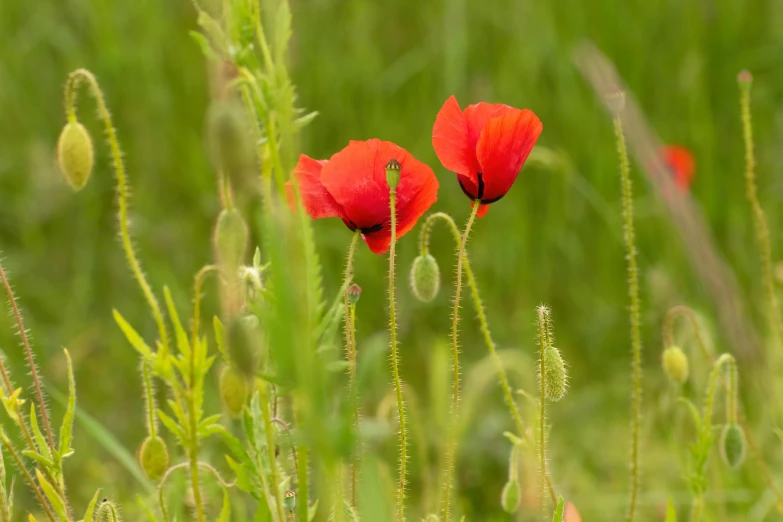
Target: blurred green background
<point x="382" y="69"/>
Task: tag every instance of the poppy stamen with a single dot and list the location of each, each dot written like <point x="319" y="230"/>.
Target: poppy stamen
<point x="480" y="185"/>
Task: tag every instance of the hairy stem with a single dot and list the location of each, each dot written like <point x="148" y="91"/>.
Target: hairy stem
<point x="451" y="449"/>
<point x="193" y="442"/>
<point x="633" y="292"/>
<point x="350" y="348"/>
<point x="149" y="398"/>
<point x="270" y="446"/>
<point x="30" y="480"/>
<point x="28" y="351"/>
<point x="395" y="361"/>
<point x="198" y="283"/>
<point x="544" y="342"/>
<point x="759" y="219"/>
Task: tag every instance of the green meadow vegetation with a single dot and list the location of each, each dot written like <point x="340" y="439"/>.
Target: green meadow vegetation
<point x="184" y="343"/>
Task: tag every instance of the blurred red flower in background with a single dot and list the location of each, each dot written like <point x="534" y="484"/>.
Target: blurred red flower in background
<point x="682" y="164"/>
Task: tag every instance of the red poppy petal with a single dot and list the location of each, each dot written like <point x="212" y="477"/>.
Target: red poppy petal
<point x="503" y="147"/>
<point x="451" y="141"/>
<point x="478" y="115"/>
<point x="416" y="193"/>
<point x="356" y="178"/>
<point x="482" y="211"/>
<point x="317" y="201"/>
<point x="378" y="241"/>
<point x="682" y="163"/>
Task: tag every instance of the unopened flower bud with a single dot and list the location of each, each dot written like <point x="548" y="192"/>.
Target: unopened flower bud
<point x="732" y="445"/>
<point x="230" y="239"/>
<point x="425" y="278"/>
<point x="234" y="390"/>
<point x="615" y="102"/>
<point x="354" y="293"/>
<point x="556" y="376"/>
<point x="229" y="138"/>
<point x="243" y="344"/>
<point x="75" y="154"/>
<point x="675" y="364"/>
<point x="154" y="457"/>
<point x="393" y="169"/>
<point x="509" y="497"/>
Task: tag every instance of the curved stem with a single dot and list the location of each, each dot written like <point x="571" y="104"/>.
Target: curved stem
<point x="633" y="292"/>
<point x="184" y="465"/>
<point x="350" y="347"/>
<point x="452" y="444"/>
<point x="280" y="422"/>
<point x="75" y="78"/>
<point x="17" y="314"/>
<point x="759" y="219"/>
<point x="725" y="359"/>
<point x="395" y="361"/>
<point x="668" y="329"/>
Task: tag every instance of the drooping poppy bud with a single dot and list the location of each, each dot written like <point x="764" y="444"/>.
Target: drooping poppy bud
<point x="243" y="344"/>
<point x="234" y="390"/>
<point x="675" y="364"/>
<point x="485" y="145"/>
<point x="509" y="497"/>
<point x="353" y="186"/>
<point x="154" y="457"/>
<point x="425" y="278"/>
<point x="75" y="154"/>
<point x="732" y="445"/>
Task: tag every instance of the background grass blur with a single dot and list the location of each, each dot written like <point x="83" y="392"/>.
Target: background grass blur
<point x="382" y="69"/>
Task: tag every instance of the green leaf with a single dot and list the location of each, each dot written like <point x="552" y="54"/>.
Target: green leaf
<point x="132" y="336"/>
<point x="694" y="411"/>
<point x="54" y="498"/>
<point x="89" y="515"/>
<point x="220" y="337"/>
<point x="671" y="512"/>
<point x="225" y="513"/>
<point x="182" y="336"/>
<point x="558" y="516"/>
<point x="40" y="459"/>
<point x="172" y="426"/>
<point x="204" y="45"/>
<point x="282" y="32"/>
<point x="311" y="511"/>
<point x="40" y="441"/>
<point x="66" y="429"/>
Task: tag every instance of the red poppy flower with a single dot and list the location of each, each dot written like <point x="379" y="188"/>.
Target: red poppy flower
<point x="681" y="162"/>
<point x="352" y="186"/>
<point x="485" y="145"/>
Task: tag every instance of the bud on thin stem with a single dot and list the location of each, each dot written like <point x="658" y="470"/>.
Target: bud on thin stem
<point x="393" y="169"/>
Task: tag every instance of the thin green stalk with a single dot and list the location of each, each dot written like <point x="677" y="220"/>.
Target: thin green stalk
<point x="269" y="431"/>
<point x="350" y="347"/>
<point x="17" y="314"/>
<point x="698" y="508"/>
<point x="198" y="283"/>
<point x="395" y="361"/>
<point x="9" y="390"/>
<point x="302" y="502"/>
<point x="543" y="337"/>
<point x="633" y="292"/>
<point x="30" y="480"/>
<point x="452" y="445"/>
<point x="193" y="439"/>
<point x="731" y="404"/>
<point x="75" y="78"/>
<point x="149" y="398"/>
<point x="759" y="219"/>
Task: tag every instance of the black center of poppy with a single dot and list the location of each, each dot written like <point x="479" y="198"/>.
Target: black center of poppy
<point x="480" y="195"/>
<point x="365" y="230"/>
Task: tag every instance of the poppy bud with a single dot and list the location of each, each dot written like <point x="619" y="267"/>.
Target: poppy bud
<point x="354" y="293"/>
<point x="154" y="457"/>
<point x="230" y="238"/>
<point x="675" y="364"/>
<point x="744" y="77"/>
<point x="509" y="498"/>
<point x="243" y="347"/>
<point x="425" y="278"/>
<point x="75" y="154"/>
<point x="289" y="499"/>
<point x="393" y="169"/>
<point x="732" y="445"/>
<point x="228" y="135"/>
<point x="556" y="382"/>
<point x="616" y="103"/>
<point x="234" y="389"/>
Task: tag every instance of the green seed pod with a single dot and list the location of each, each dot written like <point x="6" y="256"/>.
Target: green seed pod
<point x="230" y="238"/>
<point x="675" y="364"/>
<point x="732" y="445"/>
<point x="393" y="169"/>
<point x="425" y="278"/>
<point x="243" y="344"/>
<point x="154" y="457"/>
<point x="229" y="138"/>
<point x="289" y="499"/>
<point x="556" y="382"/>
<point x="234" y="390"/>
<point x="75" y="154"/>
<point x="509" y="498"/>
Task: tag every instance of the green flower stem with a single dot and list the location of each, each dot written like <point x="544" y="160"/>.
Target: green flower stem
<point x="424" y="243"/>
<point x="149" y="399"/>
<point x="302" y="477"/>
<point x="759" y="219"/>
<point x="269" y="431"/>
<point x="198" y="283"/>
<point x="350" y="347"/>
<point x="71" y="86"/>
<point x="544" y="343"/>
<point x="668" y="330"/>
<point x="451" y="449"/>
<point x="30" y="480"/>
<point x="633" y="291"/>
<point x="395" y="361"/>
<point x="193" y="439"/>
<point x="731" y="402"/>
